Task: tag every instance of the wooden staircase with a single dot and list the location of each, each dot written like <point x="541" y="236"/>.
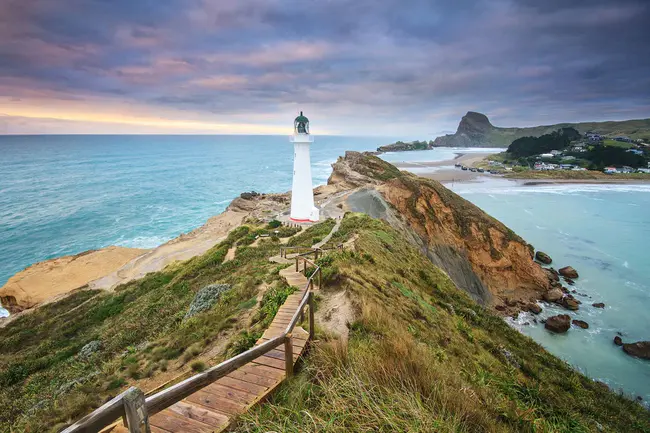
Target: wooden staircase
<point x="213" y="408"/>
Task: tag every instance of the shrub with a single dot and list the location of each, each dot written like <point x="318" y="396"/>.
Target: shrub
<point x="198" y="366"/>
<point x="273" y="224"/>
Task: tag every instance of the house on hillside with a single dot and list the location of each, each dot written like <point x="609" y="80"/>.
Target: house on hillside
<point x="626" y="169"/>
<point x="578" y="169"/>
<point x="566" y="166"/>
<point x="593" y="137"/>
<point x="623" y="139"/>
<point x="579" y="148"/>
<point x="556" y="152"/>
<point x="643" y="170"/>
<point x="610" y="170"/>
<point x="546" y="155"/>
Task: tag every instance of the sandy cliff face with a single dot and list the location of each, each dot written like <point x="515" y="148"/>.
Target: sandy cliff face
<point x="46" y="280"/>
<point x="480" y="254"/>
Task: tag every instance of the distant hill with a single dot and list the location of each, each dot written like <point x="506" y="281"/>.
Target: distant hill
<point x="475" y="130"/>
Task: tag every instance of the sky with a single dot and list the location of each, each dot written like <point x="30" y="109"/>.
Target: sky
<point x="362" y="67"/>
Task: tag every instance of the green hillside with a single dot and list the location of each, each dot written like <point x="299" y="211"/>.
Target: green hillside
<point x="423" y="357"/>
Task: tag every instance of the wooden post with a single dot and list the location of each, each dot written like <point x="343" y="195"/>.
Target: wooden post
<point x="288" y="355"/>
<point x="311" y="315"/>
<point x="304" y="267"/>
<point x="320" y="278"/>
<point x="302" y="315"/>
<point x="137" y="419"/>
<point x="297" y="264"/>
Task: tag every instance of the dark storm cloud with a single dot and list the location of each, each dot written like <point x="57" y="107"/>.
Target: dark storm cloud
<point x="520" y="61"/>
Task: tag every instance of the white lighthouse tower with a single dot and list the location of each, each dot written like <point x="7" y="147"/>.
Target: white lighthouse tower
<point x="302" y="193"/>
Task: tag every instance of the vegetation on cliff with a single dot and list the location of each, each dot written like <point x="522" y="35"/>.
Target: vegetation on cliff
<point x="63" y="359"/>
<point x="422" y="356"/>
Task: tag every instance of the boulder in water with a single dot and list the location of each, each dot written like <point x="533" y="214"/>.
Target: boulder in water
<point x="618" y="341"/>
<point x="580" y="323"/>
<point x="542" y="257"/>
<point x="534" y="308"/>
<point x="553" y="295"/>
<point x="570" y="303"/>
<point x="640" y="349"/>
<point x="558" y="324"/>
<point x="568" y="272"/>
<point x="598" y="305"/>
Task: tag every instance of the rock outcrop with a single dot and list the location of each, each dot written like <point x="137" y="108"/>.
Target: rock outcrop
<point x="480" y="254"/>
<point x="568" y="272"/>
<point x="558" y="324"/>
<point x="474" y="130"/>
<point x="46" y="280"/>
<point x="618" y="341"/>
<point x="542" y="257"/>
<point x="580" y="323"/>
<point x="640" y="349"/>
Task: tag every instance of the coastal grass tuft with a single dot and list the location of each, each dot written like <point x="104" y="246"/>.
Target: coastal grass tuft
<point x="422" y="356"/>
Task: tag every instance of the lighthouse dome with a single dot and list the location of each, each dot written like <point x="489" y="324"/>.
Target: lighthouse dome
<point x="301" y="124"/>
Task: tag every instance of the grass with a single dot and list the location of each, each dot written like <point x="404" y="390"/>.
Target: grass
<point x="576" y="175"/>
<point x="141" y="328"/>
<point x="614" y="143"/>
<point x="315" y="233"/>
<point x="422" y="356"/>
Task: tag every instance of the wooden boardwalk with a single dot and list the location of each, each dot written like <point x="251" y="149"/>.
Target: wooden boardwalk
<point x="213" y="408"/>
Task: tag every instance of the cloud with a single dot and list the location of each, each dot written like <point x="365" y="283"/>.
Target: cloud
<point x="390" y="65"/>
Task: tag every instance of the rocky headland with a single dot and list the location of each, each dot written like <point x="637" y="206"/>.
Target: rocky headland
<point x="476" y="130"/>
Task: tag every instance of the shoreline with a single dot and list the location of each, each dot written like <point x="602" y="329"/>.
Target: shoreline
<point x="445" y="172"/>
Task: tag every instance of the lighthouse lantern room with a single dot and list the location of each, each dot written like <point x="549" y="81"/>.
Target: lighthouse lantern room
<point x="302" y="193"/>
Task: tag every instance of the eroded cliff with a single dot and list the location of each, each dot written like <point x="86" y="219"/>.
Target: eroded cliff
<point x="480" y="254"/>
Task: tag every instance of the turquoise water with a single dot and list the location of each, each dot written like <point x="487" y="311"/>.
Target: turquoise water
<point x="63" y="195"/>
<point x="66" y="194"/>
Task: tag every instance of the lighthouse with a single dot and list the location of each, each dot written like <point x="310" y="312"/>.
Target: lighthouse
<point x="302" y="193"/>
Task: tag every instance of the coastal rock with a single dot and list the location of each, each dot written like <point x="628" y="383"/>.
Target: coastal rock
<point x="553" y="295"/>
<point x="558" y="324"/>
<point x="640" y="349"/>
<point x="534" y="308"/>
<point x="552" y="274"/>
<point x="618" y="341"/>
<point x="47" y="280"/>
<point x="570" y="303"/>
<point x="206" y="298"/>
<point x="569" y="281"/>
<point x="89" y="349"/>
<point x="598" y="305"/>
<point x="568" y="272"/>
<point x="580" y="323"/>
<point x="542" y="257"/>
<point x="249" y="195"/>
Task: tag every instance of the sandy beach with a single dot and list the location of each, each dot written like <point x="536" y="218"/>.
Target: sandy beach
<point x="444" y="171"/>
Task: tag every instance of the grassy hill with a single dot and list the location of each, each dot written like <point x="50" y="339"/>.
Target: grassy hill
<point x="423" y="357"/>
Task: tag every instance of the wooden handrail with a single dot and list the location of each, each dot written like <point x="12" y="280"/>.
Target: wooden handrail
<point x="115" y="409"/>
<point x="100" y="417"/>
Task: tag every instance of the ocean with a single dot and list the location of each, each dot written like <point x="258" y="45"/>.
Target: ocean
<point x="62" y="195"/>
